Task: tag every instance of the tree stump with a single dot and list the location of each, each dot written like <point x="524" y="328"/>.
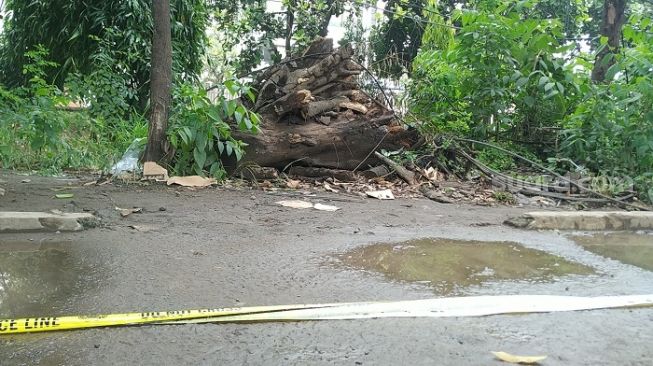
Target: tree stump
<point x="315" y="114"/>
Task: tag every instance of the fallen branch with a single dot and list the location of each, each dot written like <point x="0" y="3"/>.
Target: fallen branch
<point x="339" y="174"/>
<point x="572" y="197"/>
<point x="580" y="187"/>
<point x="404" y="173"/>
<point x="529" y="188"/>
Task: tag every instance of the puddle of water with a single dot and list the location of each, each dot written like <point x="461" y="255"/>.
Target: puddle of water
<point x="449" y="265"/>
<point x="36" y="282"/>
<point x="630" y="248"/>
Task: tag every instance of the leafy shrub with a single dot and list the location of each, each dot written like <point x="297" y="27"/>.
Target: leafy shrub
<point x="611" y="130"/>
<point x="37" y="132"/>
<point x="69" y="29"/>
<point x="109" y="89"/>
<point x="501" y="77"/>
<point x="200" y="130"/>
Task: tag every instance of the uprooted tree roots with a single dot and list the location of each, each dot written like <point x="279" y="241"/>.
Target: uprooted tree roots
<point x="315" y="114"/>
<point x="317" y="121"/>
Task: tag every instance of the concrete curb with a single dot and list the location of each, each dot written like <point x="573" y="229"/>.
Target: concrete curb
<point x="43" y="221"/>
<point x="582" y="220"/>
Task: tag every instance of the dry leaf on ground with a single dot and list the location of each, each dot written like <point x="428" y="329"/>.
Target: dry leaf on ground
<point x="329" y="188"/>
<point x="526" y="360"/>
<point x="305" y="204"/>
<point x="431" y="174"/>
<point x="293" y="184"/>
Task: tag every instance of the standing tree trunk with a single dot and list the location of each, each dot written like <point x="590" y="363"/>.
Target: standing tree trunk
<point x="160" y="82"/>
<point x="290" y="23"/>
<point x="613" y="20"/>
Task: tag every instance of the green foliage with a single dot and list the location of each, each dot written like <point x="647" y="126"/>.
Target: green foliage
<point x="439" y="32"/>
<point x="573" y="15"/>
<point x="246" y="29"/>
<point x="504" y="197"/>
<point x="508" y="76"/>
<point x="31" y="110"/>
<point x="611" y="130"/>
<point x="496" y="159"/>
<point x="502" y="76"/>
<point x="77" y="32"/>
<point x="110" y="92"/>
<point x="396" y="40"/>
<point x="200" y="130"/>
<point x="38" y="133"/>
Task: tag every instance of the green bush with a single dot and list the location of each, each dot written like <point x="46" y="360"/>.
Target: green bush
<point x="37" y="132"/>
<point x="611" y="130"/>
<point x="200" y="130"/>
<point x="501" y="77"/>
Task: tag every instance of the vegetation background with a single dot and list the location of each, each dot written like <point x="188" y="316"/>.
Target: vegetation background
<point x="568" y="83"/>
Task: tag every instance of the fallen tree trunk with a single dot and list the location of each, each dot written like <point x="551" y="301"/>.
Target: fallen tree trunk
<point x="314" y="114"/>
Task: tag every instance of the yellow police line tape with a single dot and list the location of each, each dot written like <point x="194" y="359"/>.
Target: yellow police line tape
<point x="442" y="307"/>
<point x="50" y="323"/>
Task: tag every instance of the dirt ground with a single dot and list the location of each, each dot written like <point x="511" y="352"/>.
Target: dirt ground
<point x="218" y="247"/>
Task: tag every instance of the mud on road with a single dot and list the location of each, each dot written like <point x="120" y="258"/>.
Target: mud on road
<point x="221" y="247"/>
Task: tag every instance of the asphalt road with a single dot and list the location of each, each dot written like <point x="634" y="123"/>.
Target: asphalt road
<point x="213" y="248"/>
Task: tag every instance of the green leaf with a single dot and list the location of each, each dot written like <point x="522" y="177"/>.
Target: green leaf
<point x="232" y="86"/>
<point x="238" y="115"/>
<point x="632" y="99"/>
<point x="190" y="134"/>
<point x="184" y="136"/>
<point x="230" y="148"/>
<point x="521" y="82"/>
<point x="200" y="157"/>
<point x="256" y="120"/>
<point x="548" y="86"/>
<point x="251" y="95"/>
<point x="214" y="168"/>
<point x="542" y="81"/>
<point x="229" y="107"/>
<point x="201" y="141"/>
<point x="211" y="158"/>
<point x="214" y="115"/>
<point x="606" y="60"/>
<point x="612" y="71"/>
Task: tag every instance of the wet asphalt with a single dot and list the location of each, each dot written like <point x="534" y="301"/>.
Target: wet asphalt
<point x="221" y="247"/>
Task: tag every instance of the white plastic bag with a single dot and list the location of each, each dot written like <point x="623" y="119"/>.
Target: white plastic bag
<point x="129" y="161"/>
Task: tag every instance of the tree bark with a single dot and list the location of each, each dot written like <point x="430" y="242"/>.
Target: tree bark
<point x="611" y="24"/>
<point x="290" y="23"/>
<point x="160" y="82"/>
<point x="326" y="19"/>
<point x="315" y="114"/>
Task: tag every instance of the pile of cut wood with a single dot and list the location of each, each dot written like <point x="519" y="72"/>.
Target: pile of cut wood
<point x="315" y="114"/>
